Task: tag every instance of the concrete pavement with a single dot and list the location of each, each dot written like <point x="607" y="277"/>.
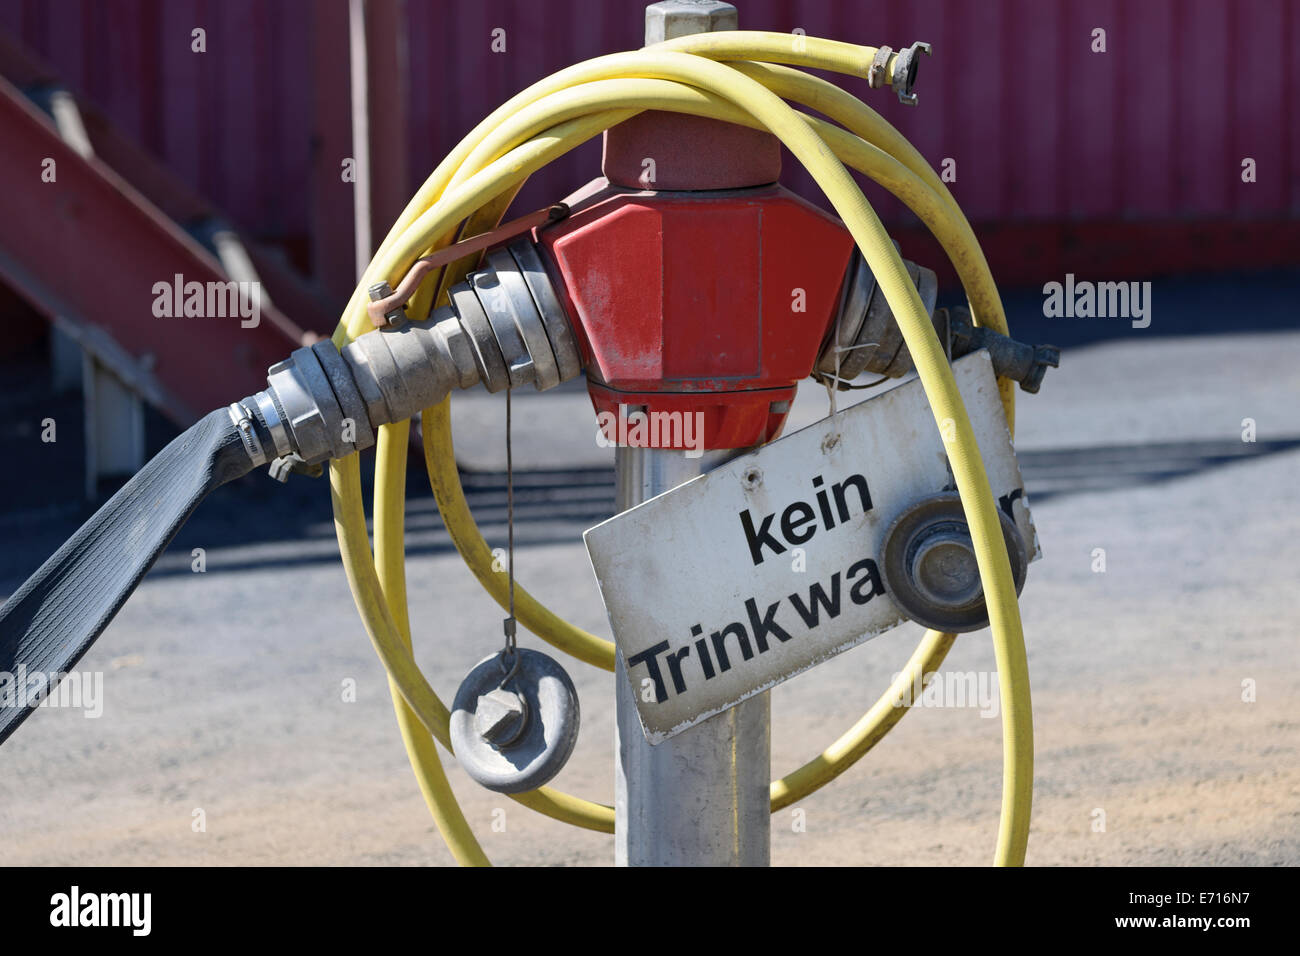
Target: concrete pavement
<point x="224" y="691"/>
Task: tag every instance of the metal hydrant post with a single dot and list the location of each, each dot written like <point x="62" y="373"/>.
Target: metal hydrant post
<point x="700" y="798"/>
<point x="700" y="292"/>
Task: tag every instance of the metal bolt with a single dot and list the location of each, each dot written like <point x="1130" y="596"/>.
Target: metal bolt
<point x="396" y="315"/>
<point x="280" y="470"/>
<point x="500" y="717"/>
<point x="944" y="570"/>
<point x="288" y="465"/>
<point x="670" y="19"/>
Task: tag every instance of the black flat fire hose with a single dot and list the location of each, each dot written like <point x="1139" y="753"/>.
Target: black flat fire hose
<point x="51" y="621"/>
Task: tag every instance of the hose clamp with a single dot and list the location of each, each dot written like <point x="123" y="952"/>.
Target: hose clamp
<point x="878" y="76"/>
<point x="274" y="423"/>
<point x="243" y="422"/>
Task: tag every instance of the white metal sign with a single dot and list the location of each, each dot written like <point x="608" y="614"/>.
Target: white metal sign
<point x="743" y="577"/>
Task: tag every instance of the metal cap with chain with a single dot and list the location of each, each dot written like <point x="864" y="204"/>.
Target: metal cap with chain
<point x="515" y="717"/>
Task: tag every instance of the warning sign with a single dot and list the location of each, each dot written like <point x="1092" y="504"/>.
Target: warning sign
<point x="741" y="578"/>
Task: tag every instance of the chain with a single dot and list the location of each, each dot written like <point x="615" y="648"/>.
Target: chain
<point x="509" y="625"/>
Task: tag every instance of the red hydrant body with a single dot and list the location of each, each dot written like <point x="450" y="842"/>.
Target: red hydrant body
<point x="712" y="297"/>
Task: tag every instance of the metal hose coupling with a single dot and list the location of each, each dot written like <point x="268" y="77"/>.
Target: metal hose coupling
<point x="897" y="70"/>
<point x="866" y="338"/>
<point x="504" y="326"/>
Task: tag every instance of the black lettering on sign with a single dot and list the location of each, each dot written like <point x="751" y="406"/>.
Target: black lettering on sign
<point x="765" y="625"/>
<point x="822" y="604"/>
<point x="757" y="539"/>
<point x="675" y="666"/>
<point x="706" y="662"/>
<point x="720" y="644"/>
<point x="799" y="520"/>
<point x="817" y="600"/>
<point x="647" y="657"/>
<point x="796" y="517"/>
<point x="856" y="593"/>
<point x="863" y="583"/>
<point x="864" y="496"/>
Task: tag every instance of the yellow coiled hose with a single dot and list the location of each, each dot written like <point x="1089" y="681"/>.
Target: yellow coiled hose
<point x="475" y="183"/>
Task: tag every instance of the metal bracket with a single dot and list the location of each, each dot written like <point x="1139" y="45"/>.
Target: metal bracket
<point x="288" y="465"/>
<point x="384" y="308"/>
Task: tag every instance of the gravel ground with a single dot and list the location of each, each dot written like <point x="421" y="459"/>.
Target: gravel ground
<point x="223" y="690"/>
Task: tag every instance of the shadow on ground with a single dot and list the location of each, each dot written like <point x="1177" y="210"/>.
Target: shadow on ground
<point x="43" y="500"/>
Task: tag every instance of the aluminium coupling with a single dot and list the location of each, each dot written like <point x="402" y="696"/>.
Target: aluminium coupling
<point x="866" y="337"/>
<point x="504" y="326"/>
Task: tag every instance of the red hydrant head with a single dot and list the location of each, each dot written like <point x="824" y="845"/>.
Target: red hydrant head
<point x="704" y="307"/>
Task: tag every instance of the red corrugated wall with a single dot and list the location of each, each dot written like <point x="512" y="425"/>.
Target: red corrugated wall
<point x="1060" y="152"/>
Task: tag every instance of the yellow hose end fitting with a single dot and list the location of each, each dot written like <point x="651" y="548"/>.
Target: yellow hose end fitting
<point x="897" y="70"/>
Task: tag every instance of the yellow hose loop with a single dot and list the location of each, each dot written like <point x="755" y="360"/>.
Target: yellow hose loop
<point x="849" y="111"/>
<point x="814" y="92"/>
<point x="599" y="79"/>
<point x="810" y="153"/>
<point x="870" y="728"/>
<point x="948" y="410"/>
<point x="817" y="53"/>
<point x="744" y="45"/>
<point x="354" y="544"/>
<point x="390" y="499"/>
<point x="899" y="175"/>
<point x="436" y="421"/>
<point x="821" y="770"/>
<point x="792" y="48"/>
<point x="484" y="145"/>
<point x="950" y="416"/>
